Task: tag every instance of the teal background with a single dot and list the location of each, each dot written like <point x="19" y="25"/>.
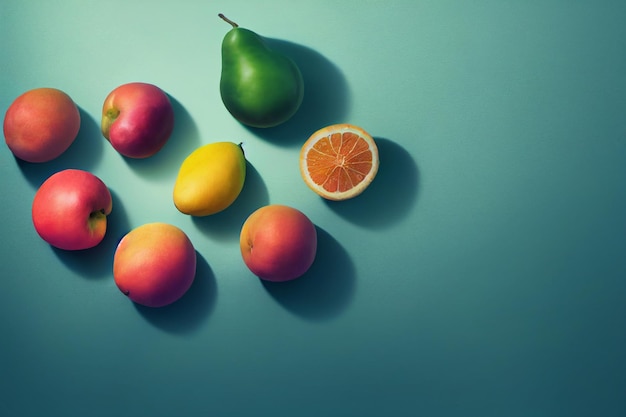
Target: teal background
<point x="482" y="274"/>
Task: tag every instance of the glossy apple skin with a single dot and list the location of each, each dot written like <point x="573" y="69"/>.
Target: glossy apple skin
<point x="278" y="243"/>
<point x="137" y="119"/>
<point x="70" y="208"/>
<point x="41" y="124"/>
<point x="154" y="264"/>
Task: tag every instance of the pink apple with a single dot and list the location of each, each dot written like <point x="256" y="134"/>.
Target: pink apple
<point x="278" y="243"/>
<point x="137" y="119"/>
<point x="70" y="208"/>
<point x="154" y="264"/>
<point x="41" y="124"/>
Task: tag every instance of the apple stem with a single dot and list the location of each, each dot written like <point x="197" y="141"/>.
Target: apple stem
<point x="224" y="18"/>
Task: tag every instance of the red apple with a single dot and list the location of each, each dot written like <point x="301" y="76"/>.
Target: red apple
<point x="41" y="124"/>
<point x="70" y="208"/>
<point x="137" y="119"/>
<point x="278" y="243"/>
<point x="154" y="264"/>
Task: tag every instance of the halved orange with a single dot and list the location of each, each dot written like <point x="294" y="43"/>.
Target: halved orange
<point x="339" y="162"/>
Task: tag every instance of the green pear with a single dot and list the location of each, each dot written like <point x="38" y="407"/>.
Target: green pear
<point x="259" y="86"/>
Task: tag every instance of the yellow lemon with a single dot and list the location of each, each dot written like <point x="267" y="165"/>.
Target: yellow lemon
<point x="210" y="179"/>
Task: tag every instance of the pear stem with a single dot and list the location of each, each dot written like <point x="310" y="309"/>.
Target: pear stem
<point x="224" y="18"/>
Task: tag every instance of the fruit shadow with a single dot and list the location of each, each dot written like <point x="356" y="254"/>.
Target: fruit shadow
<point x="226" y="225"/>
<point x="192" y="309"/>
<point x="326" y="96"/>
<point x="84" y="153"/>
<point x="391" y="195"/>
<point x="325" y="290"/>
<point x="97" y="262"/>
<point x="165" y="164"/>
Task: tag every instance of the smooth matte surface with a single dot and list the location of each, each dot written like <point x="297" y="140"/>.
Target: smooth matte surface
<point x="482" y="274"/>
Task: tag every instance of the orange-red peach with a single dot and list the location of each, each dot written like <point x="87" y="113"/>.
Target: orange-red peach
<point x="278" y="243"/>
<point x="154" y="264"/>
<point x="41" y="124"/>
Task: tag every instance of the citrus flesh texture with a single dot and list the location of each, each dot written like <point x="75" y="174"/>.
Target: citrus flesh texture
<point x="339" y="162"/>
